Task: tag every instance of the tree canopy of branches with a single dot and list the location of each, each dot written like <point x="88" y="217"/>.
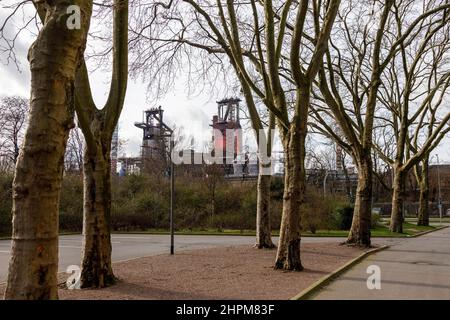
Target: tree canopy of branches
<point x="13" y="118"/>
<point x="73" y="160"/>
<point x="414" y="87"/>
<point x="363" y="45"/>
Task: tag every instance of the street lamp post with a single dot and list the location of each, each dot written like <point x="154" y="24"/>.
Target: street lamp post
<point x="439" y="190"/>
<point x="172" y="184"/>
<point x="172" y="194"/>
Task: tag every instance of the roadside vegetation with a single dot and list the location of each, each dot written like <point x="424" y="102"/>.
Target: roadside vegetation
<point x="140" y="204"/>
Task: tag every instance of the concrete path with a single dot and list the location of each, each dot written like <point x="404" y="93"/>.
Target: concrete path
<point x="129" y="246"/>
<point x="416" y="268"/>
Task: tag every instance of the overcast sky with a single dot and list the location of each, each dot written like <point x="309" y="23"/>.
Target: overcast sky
<point x="194" y="114"/>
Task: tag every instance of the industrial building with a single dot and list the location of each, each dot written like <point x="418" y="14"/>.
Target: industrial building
<point x="226" y="141"/>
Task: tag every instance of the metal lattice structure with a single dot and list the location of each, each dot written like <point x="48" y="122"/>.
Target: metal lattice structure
<point x="154" y="139"/>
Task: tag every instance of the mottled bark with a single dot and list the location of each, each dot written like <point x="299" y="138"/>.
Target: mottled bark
<point x="54" y="58"/>
<point x="288" y="254"/>
<point x="423" y="218"/>
<point x="360" y="230"/>
<point x="98" y="127"/>
<point x="421" y="173"/>
<point x="96" y="264"/>
<point x="398" y="193"/>
<point x="263" y="228"/>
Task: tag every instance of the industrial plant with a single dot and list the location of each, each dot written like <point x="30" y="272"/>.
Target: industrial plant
<point x="226" y="141"/>
<point x="227" y="149"/>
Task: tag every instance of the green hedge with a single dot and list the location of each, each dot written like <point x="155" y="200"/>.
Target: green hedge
<point x="141" y="202"/>
<point x="5" y="204"/>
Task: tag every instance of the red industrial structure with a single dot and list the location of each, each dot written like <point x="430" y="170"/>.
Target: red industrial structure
<point x="227" y="134"/>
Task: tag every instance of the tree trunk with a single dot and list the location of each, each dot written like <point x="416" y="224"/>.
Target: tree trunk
<point x="423" y="218"/>
<point x="54" y="58"/>
<point x="98" y="127"/>
<point x="423" y="215"/>
<point x="348" y="186"/>
<point x="360" y="230"/>
<point x="398" y="189"/>
<point x="288" y="254"/>
<point x="96" y="268"/>
<point x="263" y="229"/>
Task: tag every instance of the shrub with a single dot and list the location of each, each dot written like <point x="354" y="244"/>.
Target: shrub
<point x="318" y="211"/>
<point x="277" y="188"/>
<point x="343" y="217"/>
<point x="141" y="202"/>
<point x="375" y="220"/>
<point x="71" y="204"/>
<point x="5" y="204"/>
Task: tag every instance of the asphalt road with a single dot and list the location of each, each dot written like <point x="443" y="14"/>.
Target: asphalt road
<point x="416" y="268"/>
<point x="129" y="246"/>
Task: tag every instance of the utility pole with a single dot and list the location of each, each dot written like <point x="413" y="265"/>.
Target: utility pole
<point x="439" y="190"/>
<point x="172" y="194"/>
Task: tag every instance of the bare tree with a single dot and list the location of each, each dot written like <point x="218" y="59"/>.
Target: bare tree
<point x="98" y="126"/>
<point x="275" y="60"/>
<point x="415" y="84"/>
<point x="320" y="155"/>
<point x="363" y="46"/>
<point x="13" y="117"/>
<point x="175" y="40"/>
<point x="73" y="160"/>
<point x="54" y="58"/>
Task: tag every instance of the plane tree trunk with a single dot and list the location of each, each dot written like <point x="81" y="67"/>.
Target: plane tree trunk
<point x="264" y="142"/>
<point x="360" y="230"/>
<point x="54" y="58"/>
<point x="398" y="193"/>
<point x="422" y="178"/>
<point x="423" y="218"/>
<point x="96" y="262"/>
<point x="98" y="126"/>
<point x="263" y="228"/>
<point x="288" y="254"/>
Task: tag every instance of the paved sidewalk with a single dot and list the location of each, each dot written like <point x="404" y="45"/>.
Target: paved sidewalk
<point x="417" y="268"/>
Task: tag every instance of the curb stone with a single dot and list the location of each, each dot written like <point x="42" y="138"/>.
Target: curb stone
<point x="426" y="232"/>
<point x="308" y="292"/>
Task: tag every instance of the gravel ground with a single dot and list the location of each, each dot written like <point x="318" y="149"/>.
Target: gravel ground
<point x="238" y="272"/>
